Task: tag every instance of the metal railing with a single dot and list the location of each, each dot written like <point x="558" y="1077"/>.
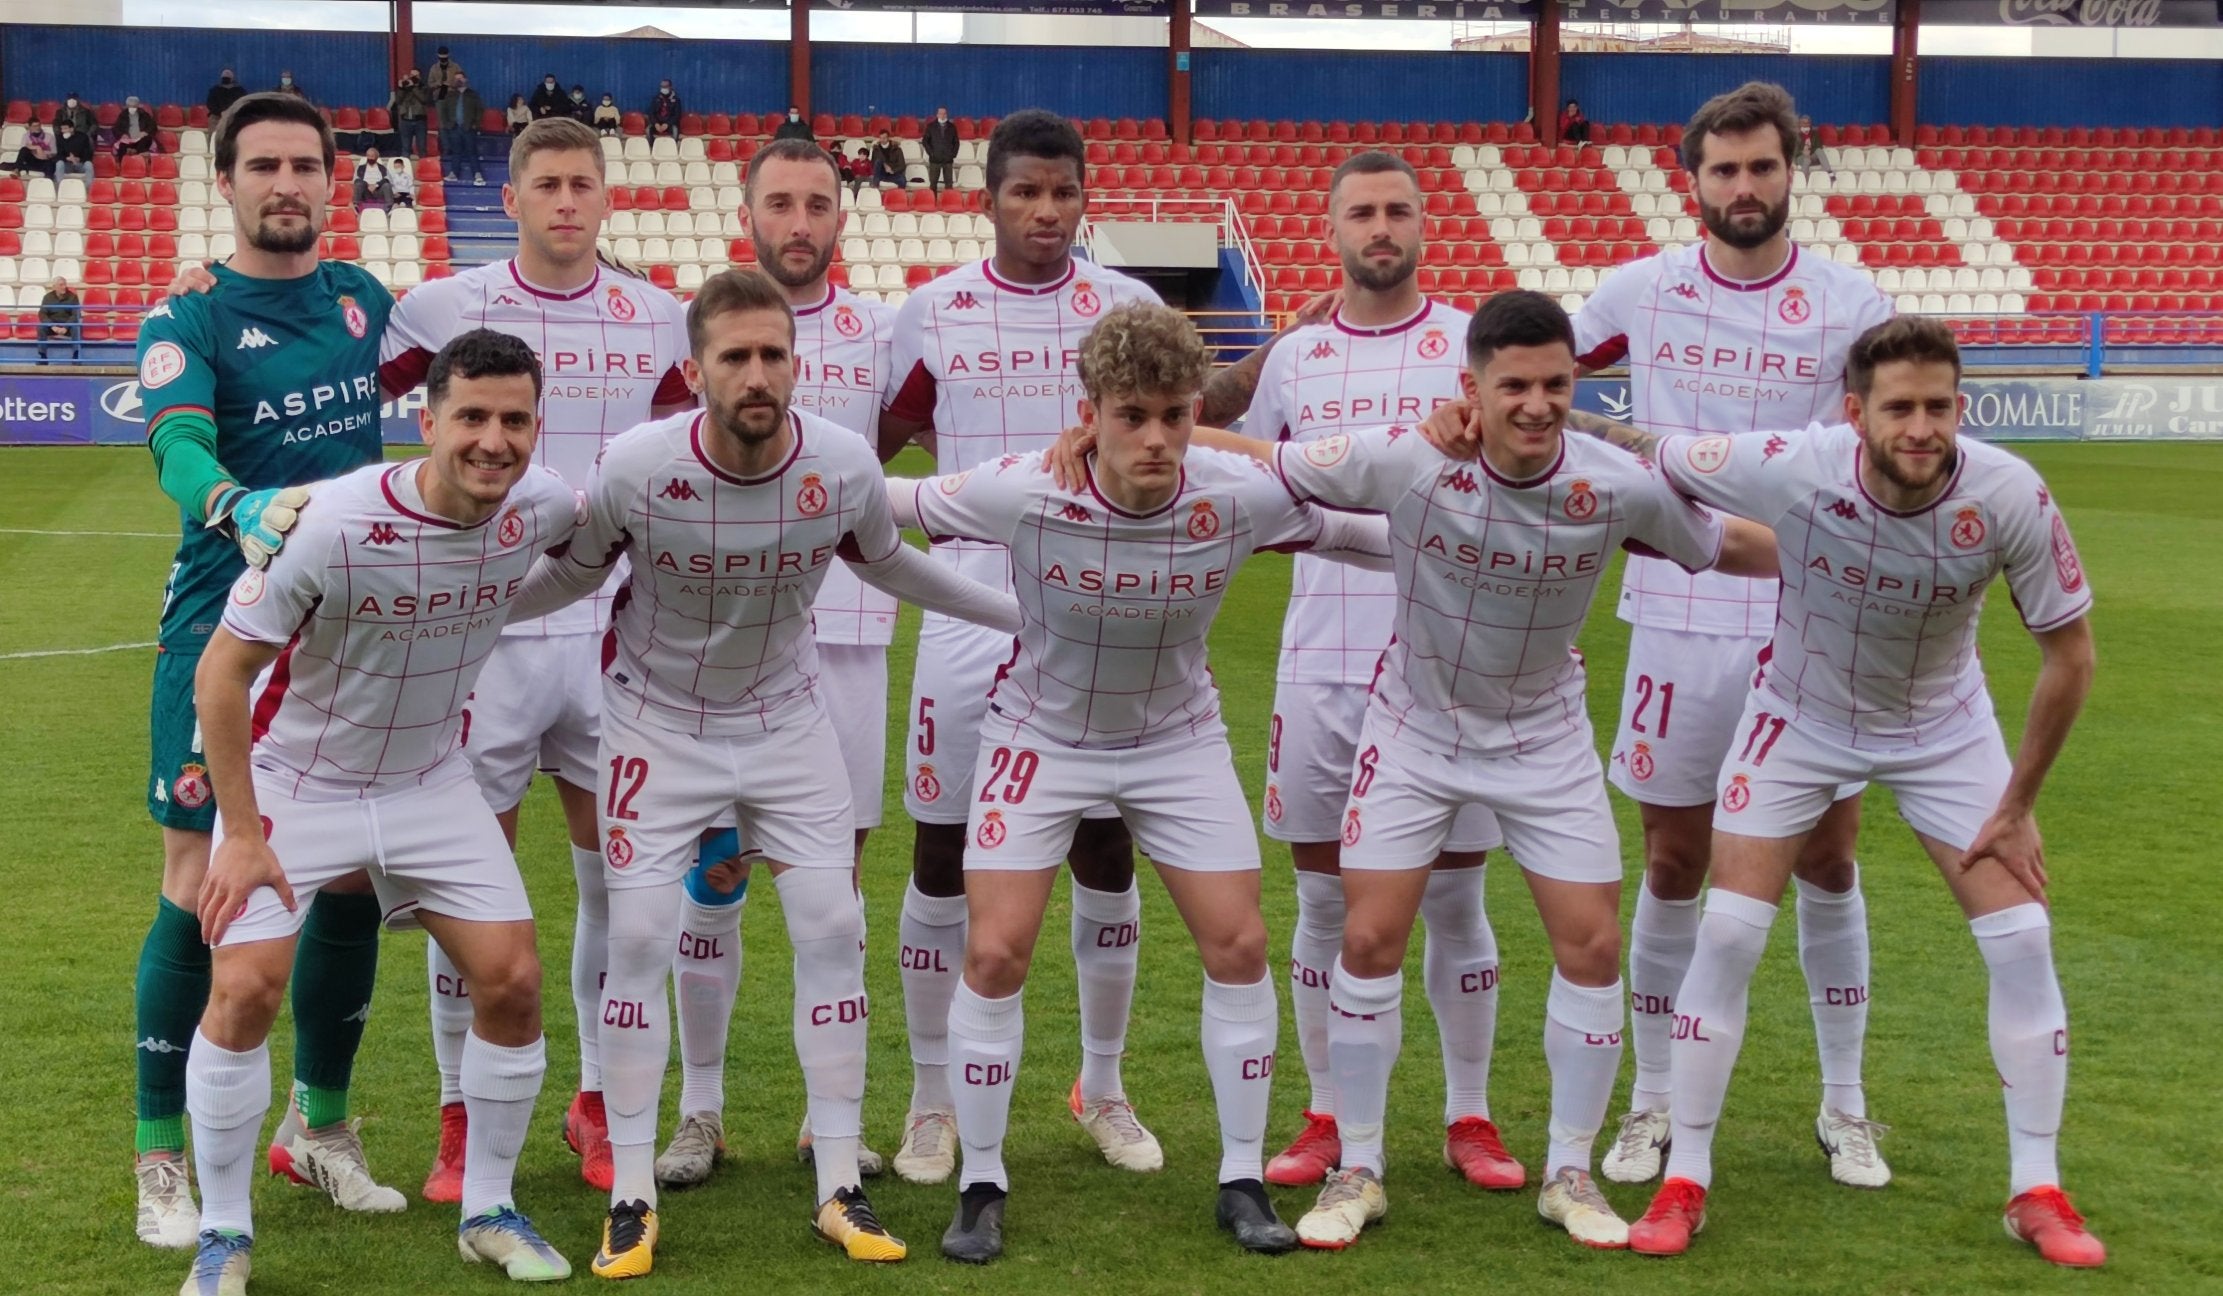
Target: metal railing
<point x="1218" y="211"/>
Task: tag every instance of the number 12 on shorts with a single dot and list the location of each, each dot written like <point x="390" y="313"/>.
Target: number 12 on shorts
<point x="627" y="774"/>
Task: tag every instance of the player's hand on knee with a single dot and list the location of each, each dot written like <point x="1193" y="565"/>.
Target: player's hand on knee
<point x="237" y="868"/>
<point x="191" y="278"/>
<point x="2013" y="842"/>
<point x="1455" y="429"/>
<point x="1068" y="458"/>
<point x="258" y="520"/>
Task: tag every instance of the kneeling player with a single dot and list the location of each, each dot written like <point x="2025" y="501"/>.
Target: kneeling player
<point x="1890" y="530"/>
<point x="1108" y="700"/>
<point x="367" y="631"/>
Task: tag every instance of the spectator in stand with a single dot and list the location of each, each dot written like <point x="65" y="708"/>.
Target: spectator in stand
<point x="460" y="114"/>
<point x="1810" y="151"/>
<point x="794" y="127"/>
<point x="664" y="113"/>
<point x="75" y="113"/>
<point x="409" y="105"/>
<point x="134" y="128"/>
<point x="577" y="108"/>
<point x="549" y="100"/>
<point x="287" y="85"/>
<point x="402" y="174"/>
<point x="1574" y="128"/>
<point x="60" y="321"/>
<point x="442" y="76"/>
<point x="374" y="180"/>
<point x="888" y="163"/>
<point x="36" y="157"/>
<point x="940" y="142"/>
<point x="73" y="152"/>
<point x="607" y="119"/>
<point x="226" y="92"/>
<point x="858" y="169"/>
<point x="519" y="114"/>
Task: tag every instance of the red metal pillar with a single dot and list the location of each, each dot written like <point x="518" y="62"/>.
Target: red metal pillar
<point x="401" y="52"/>
<point x="1906" y="83"/>
<point x="798" y="55"/>
<point x="1177" y="72"/>
<point x="1543" y="72"/>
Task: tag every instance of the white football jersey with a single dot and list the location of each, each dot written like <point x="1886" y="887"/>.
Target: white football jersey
<point x="841" y="361"/>
<point x="992" y="366"/>
<point x="386" y="613"/>
<point x="1875" y="639"/>
<point x="1333" y="377"/>
<point x="1709" y="355"/>
<point x="1494" y="577"/>
<point x="609" y="353"/>
<point x="710" y="632"/>
<point x="1116" y="605"/>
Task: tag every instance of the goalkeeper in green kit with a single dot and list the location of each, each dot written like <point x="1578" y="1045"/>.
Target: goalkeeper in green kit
<point x="264" y="384"/>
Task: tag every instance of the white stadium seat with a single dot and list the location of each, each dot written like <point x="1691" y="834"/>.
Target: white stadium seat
<point x="669" y="173"/>
<point x="656" y="251"/>
<point x="940" y="252"/>
<point x="402" y="220"/>
<point x="691" y="149"/>
<point x="636" y="149"/>
<point x="38" y="243"/>
<point x="698" y="175"/>
<point x="380" y="271"/>
<point x="664" y="147"/>
<point x="677" y="223"/>
<point x="624" y="222"/>
<point x="883" y="250"/>
<point x="725" y="173"/>
<point x="405" y="247"/>
<point x="690" y="276"/>
<point x="373" y="221"/>
<point x="629" y="249"/>
<point x="855" y="250"/>
<point x="649" y="222"/>
<point x="376" y="247"/>
<point x="408" y="274"/>
<point x="968" y="251"/>
<point x="69" y="243"/>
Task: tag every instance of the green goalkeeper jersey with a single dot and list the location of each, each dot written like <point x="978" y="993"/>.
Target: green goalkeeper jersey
<point x="287" y="370"/>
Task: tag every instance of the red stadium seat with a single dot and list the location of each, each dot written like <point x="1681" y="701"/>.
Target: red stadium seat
<point x="342" y="247"/>
<point x="435" y="248"/>
<point x="432" y="222"/>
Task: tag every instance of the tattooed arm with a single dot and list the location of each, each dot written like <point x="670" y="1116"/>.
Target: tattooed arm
<point x="1228" y="393"/>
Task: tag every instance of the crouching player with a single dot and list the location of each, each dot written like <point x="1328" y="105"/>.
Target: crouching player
<point x="1108" y="700"/>
<point x="331" y="700"/>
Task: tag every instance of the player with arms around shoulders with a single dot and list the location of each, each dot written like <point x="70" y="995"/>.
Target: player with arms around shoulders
<point x="1480" y="699"/>
<point x="983" y="367"/>
<point x="1891" y="529"/>
<point x="265" y="384"/>
<point x="332" y="701"/>
<point x="793" y="213"/>
<point x="1741" y="331"/>
<point x="729" y="517"/>
<point x="1119" y="576"/>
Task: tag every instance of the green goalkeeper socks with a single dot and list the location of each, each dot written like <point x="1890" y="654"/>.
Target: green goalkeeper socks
<point x="171" y="992"/>
<point x="335" y="968"/>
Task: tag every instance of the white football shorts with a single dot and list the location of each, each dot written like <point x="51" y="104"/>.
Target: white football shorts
<point x="853" y="687"/>
<point x="1311" y="754"/>
<point x="1181" y="800"/>
<point x="537" y="705"/>
<point x="957" y="665"/>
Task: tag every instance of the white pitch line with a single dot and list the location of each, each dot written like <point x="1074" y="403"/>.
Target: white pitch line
<point x="76" y="652"/>
<point x="144" y="535"/>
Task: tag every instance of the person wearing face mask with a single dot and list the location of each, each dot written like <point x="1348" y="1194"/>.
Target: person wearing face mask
<point x="287" y="85"/>
<point x="134" y="128"/>
<point x="36" y="157"/>
<point x="607" y="118"/>
<point x="73" y="150"/>
<point x="548" y="98"/>
<point x="577" y="108"/>
<point x="226" y="92"/>
<point x="76" y="114"/>
<point x="444" y="76"/>
<point x="409" y="105"/>
<point x="794" y="127"/>
<point x="664" y="113"/>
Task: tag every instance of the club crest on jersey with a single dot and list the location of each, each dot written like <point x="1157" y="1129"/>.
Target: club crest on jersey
<point x="1709" y="454"/>
<point x="1328" y="451"/>
<point x="1794" y="308"/>
<point x="1582" y="502"/>
<point x="1737" y="795"/>
<point x="955" y="482"/>
<point x="621" y="306"/>
<point x="810" y="497"/>
<point x="618" y="848"/>
<point x="511" y="530"/>
<point x="352" y="315"/>
<point x="163" y="362"/>
<point x="928" y="787"/>
<point x="1085" y="300"/>
<point x="992" y="832"/>
<point x="2066" y="565"/>
<point x="248" y="591"/>
<point x="191" y="788"/>
<point x="1273" y="803"/>
<point x="1351" y="827"/>
<point x="1204" y="522"/>
<point x="1433" y="345"/>
<point x="846" y="322"/>
<point x="1968" y="528"/>
<point x="1640" y="762"/>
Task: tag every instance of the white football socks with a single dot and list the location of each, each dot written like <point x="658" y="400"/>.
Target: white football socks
<point x="826" y="926"/>
<point x="1833" y="952"/>
<point x="500" y="1085"/>
<point x="1366" y="1027"/>
<point x="1314" y="942"/>
<point x="1582" y="1046"/>
<point x="1107" y="950"/>
<point x="636" y="1040"/>
<point x="1241" y="1026"/>
<point x="1459" y="970"/>
<point x="590" y="961"/>
<point x="932" y="931"/>
<point x="451" y="1020"/>
<point x="706" y="967"/>
<point x="227" y="1095"/>
<point x="986" y="1037"/>
<point x="2029" y="1038"/>
<point x="1713" y="1001"/>
<point x="1662" y="937"/>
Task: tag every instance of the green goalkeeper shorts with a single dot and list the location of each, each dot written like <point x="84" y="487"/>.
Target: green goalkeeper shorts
<point x="179" y="794"/>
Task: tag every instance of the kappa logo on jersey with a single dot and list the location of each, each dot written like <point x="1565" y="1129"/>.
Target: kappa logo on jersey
<point x="1775" y="445"/>
<point x="248" y="591"/>
<point x="618" y="849"/>
<point x="846" y="322"/>
<point x="1433" y="344"/>
<point x="678" y="489"/>
<point x="1395" y="431"/>
<point x="1351" y="827"/>
<point x="254" y="339"/>
<point x="1328" y="451"/>
<point x="810" y="497"/>
<point x="1968" y="528"/>
<point x="380" y="534"/>
<point x="1794" y="307"/>
<point x="504" y="299"/>
<point x="964" y="301"/>
<point x="992" y="831"/>
<point x="162" y="363"/>
<point x="1085" y="300"/>
<point x="1582" y="502"/>
<point x="1324" y="349"/>
<point x="2045" y="497"/>
<point x="928" y="787"/>
<point x="1463" y="482"/>
<point x="1689" y="291"/>
<point x="2066" y="565"/>
<point x="621" y="306"/>
<point x="1845" y="510"/>
<point x="1709" y="454"/>
<point x="1640" y="762"/>
<point x="1204" y="522"/>
<point x="512" y="529"/>
<point x="1075" y="513"/>
<point x="1737" y="795"/>
<point x="191" y="789"/>
<point x="352" y="315"/>
<point x="1008" y="461"/>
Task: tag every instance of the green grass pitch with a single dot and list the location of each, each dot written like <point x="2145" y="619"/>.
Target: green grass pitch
<point x="2137" y="936"/>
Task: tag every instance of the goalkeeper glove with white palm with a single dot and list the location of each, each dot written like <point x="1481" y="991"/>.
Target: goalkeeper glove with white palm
<point x="258" y="520"/>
